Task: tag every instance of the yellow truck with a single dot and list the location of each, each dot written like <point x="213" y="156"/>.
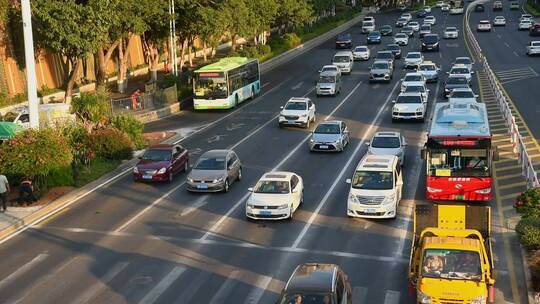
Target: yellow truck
<point x="451" y="259"/>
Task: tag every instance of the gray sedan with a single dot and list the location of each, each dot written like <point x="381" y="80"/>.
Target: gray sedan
<point x="329" y="136"/>
<point x="388" y="143"/>
<point x="215" y="171"/>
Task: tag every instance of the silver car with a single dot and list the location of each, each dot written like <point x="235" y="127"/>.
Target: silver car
<point x="381" y="70"/>
<point x="388" y="143"/>
<point x="332" y="135"/>
<point x="329" y="83"/>
<point x="215" y="171"/>
<point x="429" y="70"/>
<point x="413" y="59"/>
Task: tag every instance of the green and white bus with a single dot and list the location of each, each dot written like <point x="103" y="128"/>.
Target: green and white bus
<point x="226" y="83"/>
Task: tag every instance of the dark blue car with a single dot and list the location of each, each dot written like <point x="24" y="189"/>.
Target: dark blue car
<point x="374" y="37"/>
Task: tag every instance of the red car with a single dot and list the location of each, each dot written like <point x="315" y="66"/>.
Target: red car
<point x="161" y="163"/>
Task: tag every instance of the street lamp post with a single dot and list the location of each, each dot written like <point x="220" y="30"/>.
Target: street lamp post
<point x="31" y="82"/>
<point x="172" y="37"/>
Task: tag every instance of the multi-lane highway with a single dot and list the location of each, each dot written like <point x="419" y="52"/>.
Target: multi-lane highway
<point x="157" y="243"/>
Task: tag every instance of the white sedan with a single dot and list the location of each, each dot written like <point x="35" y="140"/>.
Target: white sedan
<point x="484" y="26"/>
<point x="451" y="32"/>
<point x="361" y="52"/>
<point x="298" y="111"/>
<point x="499" y="21"/>
<point x="525" y="25"/>
<point x="462" y="95"/>
<point x="277" y="195"/>
<point x="401" y="39"/>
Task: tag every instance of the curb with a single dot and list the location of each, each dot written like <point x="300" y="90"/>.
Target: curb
<point x="528" y="278"/>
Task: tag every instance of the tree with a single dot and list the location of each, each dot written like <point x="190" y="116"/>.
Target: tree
<point x="155" y="37"/>
<point x="211" y="25"/>
<point x="293" y="13"/>
<point x="68" y="28"/>
<point x="262" y="15"/>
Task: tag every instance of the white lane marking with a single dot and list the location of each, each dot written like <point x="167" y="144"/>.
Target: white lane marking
<point x="191" y="289"/>
<point x="298" y="86"/>
<point x="23" y="269"/>
<point x="101" y="284"/>
<point x="391" y="297"/>
<point x="265" y="84"/>
<point x="359" y="295"/>
<point x="354" y="154"/>
<point x="158" y="290"/>
<point x="217" y="225"/>
<point x="200" y="202"/>
<point x="256" y="294"/>
<point x="507" y="45"/>
<point x="225" y="289"/>
<point x="498" y="35"/>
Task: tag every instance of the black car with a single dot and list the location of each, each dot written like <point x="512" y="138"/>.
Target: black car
<point x="454" y="82"/>
<point x="386" y="30"/>
<point x="374" y="37"/>
<point x="408" y="30"/>
<point x="479" y="7"/>
<point x="430" y="42"/>
<point x="317" y="283"/>
<point x="395" y="49"/>
<point x="344" y="41"/>
<point x="421" y="13"/>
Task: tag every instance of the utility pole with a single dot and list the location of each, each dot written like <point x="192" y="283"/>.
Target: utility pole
<point x="31" y="81"/>
<point x="174" y="39"/>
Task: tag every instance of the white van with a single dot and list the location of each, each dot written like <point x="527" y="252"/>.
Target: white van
<point x="344" y="60"/>
<point x="50" y="115"/>
<point x="329" y="83"/>
<point x="376" y="187"/>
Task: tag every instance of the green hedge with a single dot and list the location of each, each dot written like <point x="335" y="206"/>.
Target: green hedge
<point x="528" y="230"/>
<point x="111" y="143"/>
<point x="528" y="203"/>
<point x="532" y="8"/>
<point x="132" y="127"/>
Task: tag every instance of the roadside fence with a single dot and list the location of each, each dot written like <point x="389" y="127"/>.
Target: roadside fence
<point x="139" y="102"/>
<point x="518" y="143"/>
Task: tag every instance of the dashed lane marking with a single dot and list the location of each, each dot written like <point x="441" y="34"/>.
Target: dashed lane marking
<point x="101" y="284"/>
<point x="167" y="281"/>
<point x="23" y="269"/>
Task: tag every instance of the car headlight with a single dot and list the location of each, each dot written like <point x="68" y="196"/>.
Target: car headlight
<point x="162" y="170"/>
<point x="250" y="205"/>
<point x="135" y="170"/>
<point x="283" y="206"/>
<point x="352" y="198"/>
<point x="303" y="115"/>
<point x="217" y="180"/>
<point x="389" y="199"/>
<point x="423" y="298"/>
<point x="423" y="44"/>
<point x="190" y="179"/>
<point x="433" y="190"/>
<point x="483" y="191"/>
<point x="311" y="140"/>
<point x="479" y="300"/>
<point x="395" y="109"/>
<point x="419" y="109"/>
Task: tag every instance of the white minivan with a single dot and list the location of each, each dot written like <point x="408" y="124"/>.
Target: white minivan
<point x="344" y="60"/>
<point x="376" y="187"/>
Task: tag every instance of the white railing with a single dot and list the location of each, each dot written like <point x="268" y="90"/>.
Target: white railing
<point x="519" y="147"/>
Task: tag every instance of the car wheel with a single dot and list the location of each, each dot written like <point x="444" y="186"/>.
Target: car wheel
<point x="235" y="101"/>
<point x="394" y="120"/>
<point x="226" y="187"/>
<point x="239" y="178"/>
<point x="170" y="178"/>
<point x="307" y="123"/>
<point x="186" y="166"/>
<point x="252" y="93"/>
<point x="291" y="214"/>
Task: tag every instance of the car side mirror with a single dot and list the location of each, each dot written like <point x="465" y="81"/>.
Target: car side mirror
<point x="393" y="101"/>
<point x="294" y="190"/>
<point x="368" y="144"/>
<point x="348" y="180"/>
<point x="475" y="95"/>
<point x="250" y="189"/>
<point x="281" y="107"/>
<point x="139" y="157"/>
<point x="423" y="153"/>
<point x="448" y="73"/>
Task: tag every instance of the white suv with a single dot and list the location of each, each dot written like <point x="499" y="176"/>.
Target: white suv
<point x="461" y="70"/>
<point x="409" y="106"/>
<point x="277" y="195"/>
<point x="344" y="60"/>
<point x="388" y="143"/>
<point x="376" y="187"/>
<point x="298" y="111"/>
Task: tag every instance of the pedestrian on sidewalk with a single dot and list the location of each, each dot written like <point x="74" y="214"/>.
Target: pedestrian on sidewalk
<point x="26" y="192"/>
<point x="4" y="190"/>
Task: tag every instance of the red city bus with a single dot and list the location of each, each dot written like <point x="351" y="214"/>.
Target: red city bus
<point x="458" y="153"/>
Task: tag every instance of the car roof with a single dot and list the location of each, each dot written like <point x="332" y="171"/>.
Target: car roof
<point x="330" y="122"/>
<point x="277" y="175"/>
<point x="377" y="162"/>
<point x="451" y="28"/>
<point x="329" y="73"/>
<point x="413" y="74"/>
<point x="414" y="53"/>
<point x="298" y="99"/>
<point x="401" y="34"/>
<point x="459" y="66"/>
<point x="410" y="94"/>
<point x="216" y="153"/>
<point x="466" y="89"/>
<point x="330" y="66"/>
<point x="427" y="62"/>
<point x="387" y="134"/>
<point x="160" y="147"/>
<point x="312" y="277"/>
<point x="343" y="53"/>
<point x="384" y="52"/>
<point x="381" y="61"/>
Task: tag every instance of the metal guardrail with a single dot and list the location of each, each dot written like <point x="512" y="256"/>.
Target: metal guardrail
<point x="519" y="147"/>
<point x="139" y="102"/>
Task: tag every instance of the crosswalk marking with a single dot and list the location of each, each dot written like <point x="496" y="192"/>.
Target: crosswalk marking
<point x="101" y="284"/>
<point x="359" y="295"/>
<point x="154" y="294"/>
<point x="256" y="294"/>
<point x="391" y="297"/>
<point x="225" y="289"/>
<point x="191" y="289"/>
<point x="507" y="76"/>
<point x="23" y="269"/>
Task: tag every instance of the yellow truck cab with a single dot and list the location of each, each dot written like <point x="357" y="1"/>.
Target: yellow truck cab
<point x="451" y="260"/>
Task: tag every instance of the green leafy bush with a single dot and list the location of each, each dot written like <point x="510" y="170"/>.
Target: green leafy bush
<point x="169" y="80"/>
<point x="528" y="230"/>
<point x="111" y="143"/>
<point x="291" y="40"/>
<point x="94" y="170"/>
<point x="79" y="140"/>
<point x="61" y="177"/>
<point x="528" y="203"/>
<point x="132" y="127"/>
<point x="94" y="107"/>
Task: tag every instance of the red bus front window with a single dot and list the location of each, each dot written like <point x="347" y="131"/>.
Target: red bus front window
<point x="458" y="162"/>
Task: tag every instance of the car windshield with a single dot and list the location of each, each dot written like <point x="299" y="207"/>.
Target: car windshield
<point x="499" y="18"/>
<point x="327" y="79"/>
<point x="327" y="129"/>
<point x="413" y="23"/>
<point x="451" y="264"/>
<point x="431" y="39"/>
<point x="409" y="99"/>
<point x="361" y="49"/>
<point x="458" y="162"/>
<point x="485" y="22"/>
<point x="427" y="67"/>
<point x="408" y="29"/>
<point x="463" y="61"/>
<point x="412" y="78"/>
<point x="344" y="37"/>
<point x="296" y="105"/>
<point x="379" y="66"/>
<point x="157" y="155"/>
<point x="401" y="35"/>
<point x="457" y="80"/>
<point x="275" y="187"/>
<point x="374" y="34"/>
<point x="462" y="94"/>
<point x="414" y="89"/>
<point x="210" y="163"/>
<point x="329" y="68"/>
<point x="386" y="27"/>
<point x="367" y="23"/>
<point x="451" y="29"/>
<point x="306" y="298"/>
<point x="425" y="28"/>
<point x="342" y="59"/>
<point x="402" y="20"/>
<point x="459" y="71"/>
<point x="387" y="142"/>
<point x="210" y="85"/>
<point x="384" y="55"/>
<point x="372" y="180"/>
<point x="393" y="47"/>
<point x="413" y="55"/>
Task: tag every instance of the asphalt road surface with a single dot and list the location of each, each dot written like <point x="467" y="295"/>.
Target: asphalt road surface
<point x="156" y="243"/>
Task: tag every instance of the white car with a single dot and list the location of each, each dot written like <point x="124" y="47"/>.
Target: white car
<point x="431" y="20"/>
<point x="407" y="16"/>
<point x="499" y="21"/>
<point x="368" y="26"/>
<point x="277" y="195"/>
<point x="461" y="70"/>
<point x="401" y="39"/>
<point x="344" y="60"/>
<point x="466" y="61"/>
<point x="369" y="18"/>
<point x="525" y="17"/>
<point x="462" y="95"/>
<point x="330" y="68"/>
<point x="445" y="8"/>
<point x="525" y="25"/>
<point x="484" y="26"/>
<point x="413" y="78"/>
<point x="439" y="4"/>
<point x="427" y="9"/>
<point x="533" y="48"/>
<point x="451" y="32"/>
<point x="414" y="25"/>
<point x="376" y="187"/>
<point x="298" y="111"/>
<point x="361" y="52"/>
<point x="409" y="106"/>
<point x="429" y="70"/>
<point x="388" y="143"/>
<point x="418" y="88"/>
<point x="413" y="59"/>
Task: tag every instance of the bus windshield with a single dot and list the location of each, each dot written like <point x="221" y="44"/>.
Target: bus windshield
<point x="459" y="162"/>
<point x="210" y="85"/>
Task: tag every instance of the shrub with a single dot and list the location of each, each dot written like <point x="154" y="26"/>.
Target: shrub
<point x="528" y="230"/>
<point x="263" y="49"/>
<point x="169" y="80"/>
<point x="94" y="107"/>
<point x="528" y="203"/>
<point x="534" y="264"/>
<point x="61" y="177"/>
<point x="78" y="138"/>
<point x="111" y="143"/>
<point x="132" y="127"/>
<point x="291" y="40"/>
